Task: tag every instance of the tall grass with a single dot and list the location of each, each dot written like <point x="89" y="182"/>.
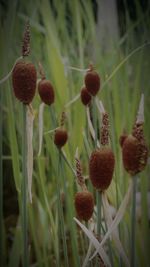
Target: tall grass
<point x="64" y="34"/>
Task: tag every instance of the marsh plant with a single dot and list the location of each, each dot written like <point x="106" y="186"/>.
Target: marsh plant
<point x="77" y="140"/>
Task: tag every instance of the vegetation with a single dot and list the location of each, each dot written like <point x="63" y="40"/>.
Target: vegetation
<point x="64" y="37"/>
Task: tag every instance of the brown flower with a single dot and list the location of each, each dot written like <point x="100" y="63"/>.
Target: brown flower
<point x="60" y="137"/>
<point x="85" y="96"/>
<point x="46" y="91"/>
<point x="101" y="167"/>
<point x="92" y="82"/>
<point x="135" y="154"/>
<point x="84" y="205"/>
<point x="24" y="81"/>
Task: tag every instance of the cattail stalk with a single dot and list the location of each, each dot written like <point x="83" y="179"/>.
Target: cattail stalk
<point x="98" y="193"/>
<point x="133" y="222"/>
<point x="60" y="211"/>
<point x="24" y="191"/>
<point x="69" y="214"/>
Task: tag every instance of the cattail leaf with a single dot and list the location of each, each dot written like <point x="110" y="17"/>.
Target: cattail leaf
<point x="51" y="131"/>
<point x="91" y="126"/>
<point x="89" y="248"/>
<point x="140" y="114"/>
<point x="95" y="242"/>
<point x="41" y="110"/>
<point x="118" y="216"/>
<point x="115" y="234"/>
<point x="29" y="123"/>
<point x="100" y="106"/>
<point x="87" y="255"/>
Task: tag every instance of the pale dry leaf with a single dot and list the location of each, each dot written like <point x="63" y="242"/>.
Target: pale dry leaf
<point x="29" y="129"/>
<point x="140" y="114"/>
<point x="41" y="110"/>
<point x="115" y="234"/>
<point x="95" y="242"/>
<point x="91" y="126"/>
<point x="118" y="217"/>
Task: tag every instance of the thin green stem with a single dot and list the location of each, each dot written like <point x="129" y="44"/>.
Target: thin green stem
<point x="98" y="194"/>
<point x="53" y="116"/>
<point x="133" y="222"/>
<point x="98" y="201"/>
<point x="24" y="191"/>
<point x="94" y="119"/>
<point x="60" y="210"/>
<point x="124" y="61"/>
<point x="70" y="214"/>
<point x="50" y="215"/>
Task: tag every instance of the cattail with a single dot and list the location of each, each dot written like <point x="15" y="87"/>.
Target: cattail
<point x="60" y="137"/>
<point x="24" y="81"/>
<point x="84" y="205"/>
<point x="135" y="155"/>
<point x="92" y="81"/>
<point x="104" y="140"/>
<point x="26" y="41"/>
<point x="122" y="139"/>
<point x="101" y="167"/>
<point x="85" y="96"/>
<point x="46" y="91"/>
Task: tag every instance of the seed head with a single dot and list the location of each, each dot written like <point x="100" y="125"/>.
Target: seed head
<point x="26" y="41"/>
<point x="80" y="178"/>
<point x="138" y="131"/>
<point x="46" y="91"/>
<point x="105" y="129"/>
<point x="101" y="167"/>
<point x="135" y="155"/>
<point x="63" y="118"/>
<point x="92" y="81"/>
<point x="122" y="139"/>
<point x="60" y="137"/>
<point x="24" y="81"/>
<point x="85" y="96"/>
<point x="84" y="205"/>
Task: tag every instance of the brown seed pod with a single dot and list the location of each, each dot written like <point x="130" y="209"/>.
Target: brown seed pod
<point x="92" y="82"/>
<point x="101" y="167"/>
<point x="85" y="96"/>
<point x="24" y="81"/>
<point x="60" y="137"/>
<point x="135" y="155"/>
<point x="84" y="205"/>
<point x="46" y="91"/>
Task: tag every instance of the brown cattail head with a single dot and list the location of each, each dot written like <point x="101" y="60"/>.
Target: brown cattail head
<point x="26" y="41"/>
<point x="135" y="152"/>
<point x="138" y="131"/>
<point x="122" y="139"/>
<point x="84" y="205"/>
<point x="80" y="178"/>
<point x="105" y="129"/>
<point x="92" y="81"/>
<point x="63" y="118"/>
<point x="46" y="91"/>
<point x="60" y="137"/>
<point x="24" y="81"/>
<point x="85" y="96"/>
<point x="101" y="167"/>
